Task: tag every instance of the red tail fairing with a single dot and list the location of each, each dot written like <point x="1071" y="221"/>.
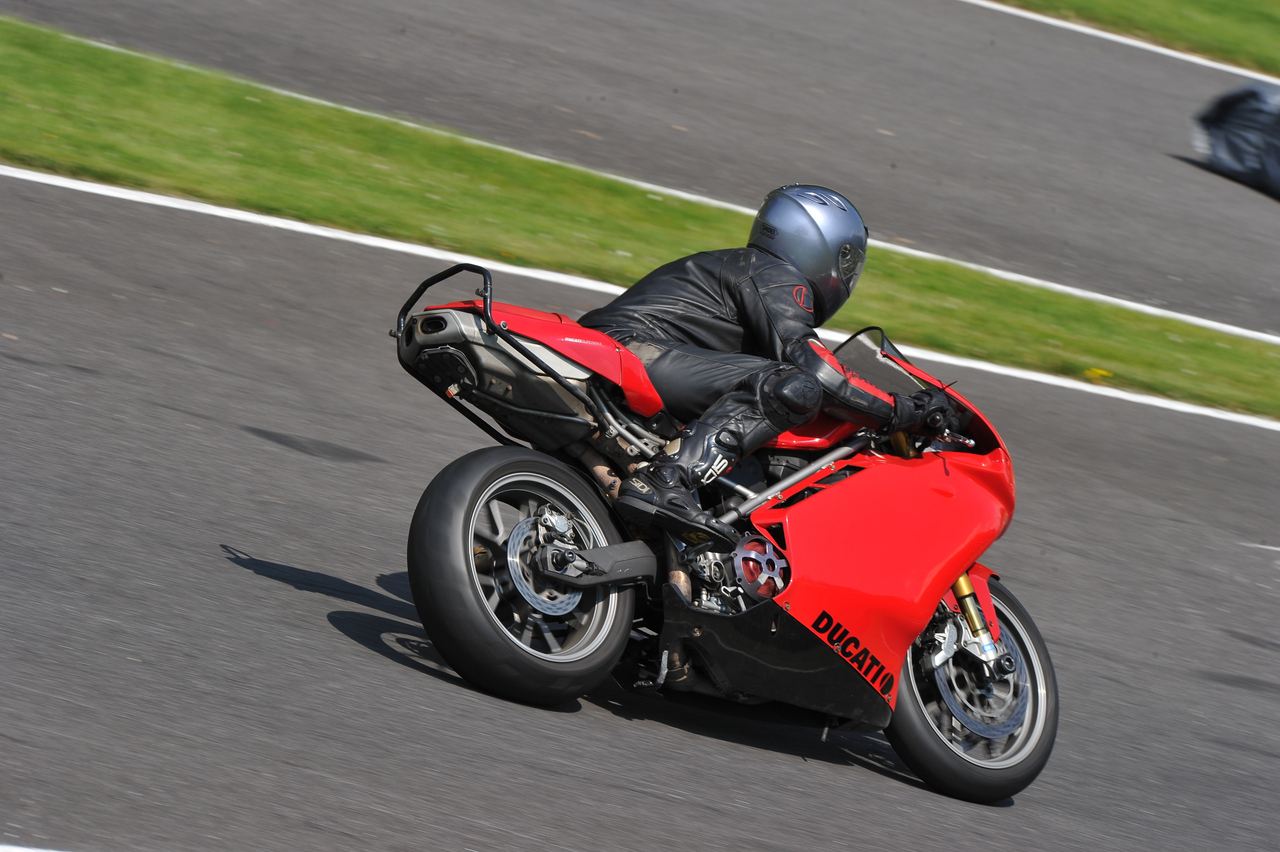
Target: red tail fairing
<point x="596" y="351"/>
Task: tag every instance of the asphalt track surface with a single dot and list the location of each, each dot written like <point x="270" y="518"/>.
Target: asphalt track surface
<point x="957" y="129"/>
<point x="210" y="457"/>
<point x="209" y="463"/>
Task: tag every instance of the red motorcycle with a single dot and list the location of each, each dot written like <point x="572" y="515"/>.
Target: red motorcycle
<point x="854" y="596"/>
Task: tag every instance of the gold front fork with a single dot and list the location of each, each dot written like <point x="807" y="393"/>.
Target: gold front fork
<point x="967" y="597"/>
<point x="901" y="446"/>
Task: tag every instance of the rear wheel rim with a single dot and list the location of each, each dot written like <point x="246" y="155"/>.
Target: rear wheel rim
<point x="556" y="636"/>
<point x="1028" y="687"/>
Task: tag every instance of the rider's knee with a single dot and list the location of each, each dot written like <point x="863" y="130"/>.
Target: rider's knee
<point x="790" y="396"/>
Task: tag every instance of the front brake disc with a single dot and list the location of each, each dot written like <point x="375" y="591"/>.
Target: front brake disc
<point x="985" y="729"/>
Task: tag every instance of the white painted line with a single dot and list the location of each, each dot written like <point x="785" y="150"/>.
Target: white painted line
<point x="724" y="205"/>
<point x="1091" y="296"/>
<point x="1125" y="40"/>
<point x="1183" y="56"/>
<point x="836" y="337"/>
<point x="1260" y="546"/>
<point x="300" y="227"/>
<point x="585" y="284"/>
<point x="23" y="849"/>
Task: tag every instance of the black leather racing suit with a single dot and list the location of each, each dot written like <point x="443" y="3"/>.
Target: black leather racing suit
<point x="728" y="338"/>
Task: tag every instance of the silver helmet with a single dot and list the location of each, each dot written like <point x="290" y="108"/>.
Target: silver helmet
<point x="819" y="232"/>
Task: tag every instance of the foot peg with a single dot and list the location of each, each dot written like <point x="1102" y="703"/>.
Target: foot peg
<point x="642" y="505"/>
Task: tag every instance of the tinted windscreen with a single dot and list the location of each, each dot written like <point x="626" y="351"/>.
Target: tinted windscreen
<point x="861" y="353"/>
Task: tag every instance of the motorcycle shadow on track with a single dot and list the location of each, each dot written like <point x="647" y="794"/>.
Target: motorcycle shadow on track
<point x="766" y="726"/>
<point x="401" y="639"/>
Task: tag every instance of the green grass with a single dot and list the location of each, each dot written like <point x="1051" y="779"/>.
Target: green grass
<point x="1242" y="32"/>
<point x="951" y="309"/>
<point x="75" y="109"/>
<point x="80" y="110"/>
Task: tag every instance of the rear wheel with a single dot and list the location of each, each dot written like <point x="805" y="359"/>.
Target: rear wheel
<point x="479" y="595"/>
<point x="967" y="735"/>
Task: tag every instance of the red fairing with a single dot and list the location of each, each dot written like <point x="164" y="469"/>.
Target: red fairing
<point x="476" y="306"/>
<point x="642" y="396"/>
<point x="979" y="422"/>
<point x="872" y="554"/>
<point x="822" y="432"/>
<point x="598" y="352"/>
<point x="826" y="431"/>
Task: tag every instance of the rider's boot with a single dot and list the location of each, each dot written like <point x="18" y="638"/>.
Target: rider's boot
<point x="662" y="493"/>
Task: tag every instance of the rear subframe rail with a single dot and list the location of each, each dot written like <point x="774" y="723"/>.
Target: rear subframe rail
<point x="498" y="329"/>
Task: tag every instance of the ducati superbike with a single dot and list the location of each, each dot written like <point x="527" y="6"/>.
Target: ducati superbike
<point x="854" y="595"/>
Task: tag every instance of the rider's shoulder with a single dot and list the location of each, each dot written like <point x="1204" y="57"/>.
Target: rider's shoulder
<point x="766" y="268"/>
<point x="744" y="266"/>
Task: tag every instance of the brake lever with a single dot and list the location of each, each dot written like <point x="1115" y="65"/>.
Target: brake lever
<point x="955" y="437"/>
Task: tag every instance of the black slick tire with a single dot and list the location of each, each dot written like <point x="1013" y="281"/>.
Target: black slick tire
<point x="465" y="629"/>
<point x="920" y="744"/>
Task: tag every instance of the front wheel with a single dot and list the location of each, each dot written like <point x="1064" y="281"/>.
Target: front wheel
<point x="968" y="735"/>
<point x="482" y="599"/>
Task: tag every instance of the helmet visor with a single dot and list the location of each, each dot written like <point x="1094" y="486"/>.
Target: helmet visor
<point x="851" y="261"/>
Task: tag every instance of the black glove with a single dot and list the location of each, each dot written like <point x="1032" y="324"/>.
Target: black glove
<point x="930" y="409"/>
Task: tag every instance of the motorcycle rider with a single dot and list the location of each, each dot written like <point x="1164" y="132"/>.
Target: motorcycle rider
<point x="728" y="339"/>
